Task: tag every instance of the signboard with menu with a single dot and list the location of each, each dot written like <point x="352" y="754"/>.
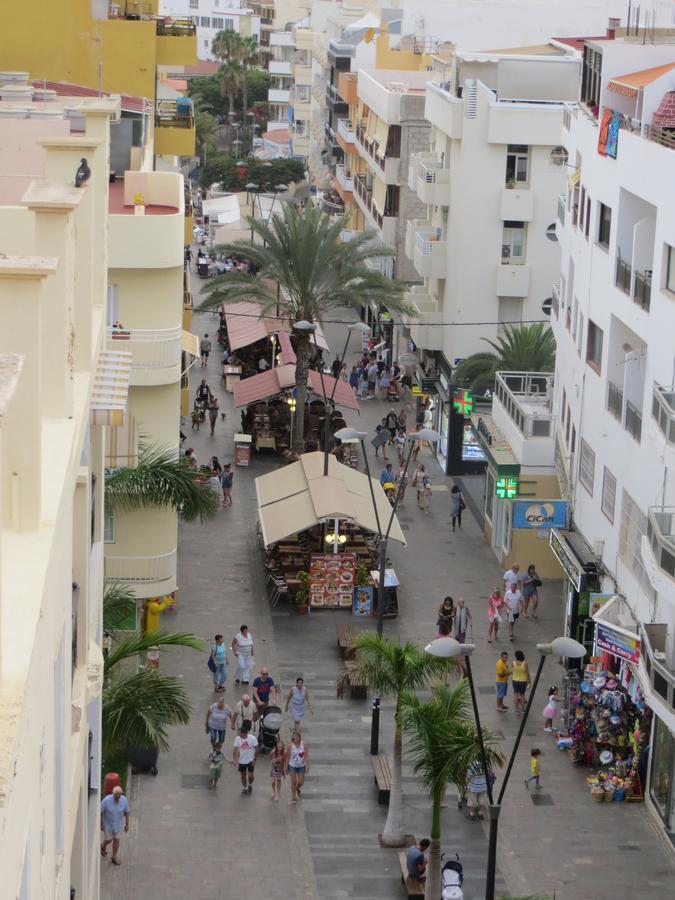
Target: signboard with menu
<point x="331" y="580"/>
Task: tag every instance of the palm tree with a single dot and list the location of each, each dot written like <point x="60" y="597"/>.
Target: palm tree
<point x="230" y="78"/>
<point x="393" y="670"/>
<point x="443" y="744"/>
<point x="205" y="132"/>
<point x="248" y="57"/>
<point x="119" y="602"/>
<point x="160" y="480"/>
<point x="226" y="45"/>
<point x="525" y="348"/>
<point x="301" y="252"/>
<point x="138" y="705"/>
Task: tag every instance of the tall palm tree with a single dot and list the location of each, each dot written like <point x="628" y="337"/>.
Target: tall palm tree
<point x="443" y="742"/>
<point x="206" y="129"/>
<point x="119" y="602"/>
<point x="248" y="57"/>
<point x="523" y="348"/>
<point x="226" y="45"/>
<point x="301" y="252"/>
<point x="160" y="480"/>
<point x="230" y="79"/>
<point x="394" y="670"/>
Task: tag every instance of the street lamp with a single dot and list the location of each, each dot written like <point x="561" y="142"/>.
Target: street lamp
<point x="449" y="648"/>
<point x="346" y="434"/>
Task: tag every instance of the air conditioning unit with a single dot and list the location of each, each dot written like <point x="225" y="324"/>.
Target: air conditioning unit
<point x="559" y="156"/>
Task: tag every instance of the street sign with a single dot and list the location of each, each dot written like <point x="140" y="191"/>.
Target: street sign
<point x="463" y="402"/>
<point x="506" y="488"/>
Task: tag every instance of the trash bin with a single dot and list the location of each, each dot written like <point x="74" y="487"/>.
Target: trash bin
<point x="111" y="780"/>
<point x="242" y="449"/>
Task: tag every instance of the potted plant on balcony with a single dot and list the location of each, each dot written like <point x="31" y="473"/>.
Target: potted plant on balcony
<point x="139" y="204"/>
<point x="302" y="595"/>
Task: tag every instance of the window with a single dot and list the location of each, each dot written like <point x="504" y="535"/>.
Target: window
<point x="633" y="526"/>
<point x="513" y="244"/>
<point x="564" y="404"/>
<point x="580" y="332"/>
<point x="517" y="156"/>
<point x="608" y="494"/>
<point x="489" y="496"/>
<point x="108" y="526"/>
<point x="567" y="425"/>
<point x="670" y="269"/>
<point x="229" y="24"/>
<point x="587" y="226"/>
<point x="111" y="317"/>
<point x="586" y="467"/>
<point x="205" y="22"/>
<point x="582" y="206"/>
<point x="194" y="4"/>
<point x="604" y="224"/>
<point x="217" y="23"/>
<point x="594" y="346"/>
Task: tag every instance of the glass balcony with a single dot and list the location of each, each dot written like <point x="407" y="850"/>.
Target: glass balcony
<point x="527" y="398"/>
<point x="615" y="400"/>
<point x="661" y="536"/>
<point x="663" y="410"/>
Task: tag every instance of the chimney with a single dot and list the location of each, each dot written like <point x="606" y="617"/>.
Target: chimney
<point x="612" y="25"/>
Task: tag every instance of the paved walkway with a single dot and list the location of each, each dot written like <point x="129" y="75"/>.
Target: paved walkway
<point x="186" y="841"/>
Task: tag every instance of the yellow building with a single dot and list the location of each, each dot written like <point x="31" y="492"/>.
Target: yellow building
<point x="59" y="390"/>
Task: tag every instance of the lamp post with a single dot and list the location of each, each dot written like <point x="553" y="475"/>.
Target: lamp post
<point x="424" y="434"/>
<point x="448" y="648"/>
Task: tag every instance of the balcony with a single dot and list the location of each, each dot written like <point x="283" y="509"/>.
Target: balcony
<point x="150" y="575"/>
<point x="344" y="181"/>
<point x="513" y="281"/>
<point x="155" y="353"/>
<point x="280" y="67"/>
<point x="371" y="152"/>
<point x="642" y="289"/>
<point x="347" y="87"/>
<point x="345" y="131"/>
<point x="174" y="128"/>
<point x="430" y="254"/>
<point x="633" y="421"/>
<point x="153" y="239"/>
<point x="334" y="101"/>
<point x="615" y="401"/>
<point x="282" y="39"/>
<point x="661" y="537"/>
<point x="623" y="275"/>
<point x="523" y="410"/>
<point x="386" y="223"/>
<point x="663" y="411"/>
<point x="176" y="42"/>
<point x="278" y="95"/>
<point x="429" y="180"/>
<point x="517" y="205"/>
<point x="422" y="324"/>
<point x="555" y="299"/>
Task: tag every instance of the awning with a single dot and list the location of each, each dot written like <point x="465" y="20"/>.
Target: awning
<point x="382" y="135"/>
<point x="370" y="20"/>
<point x="189" y="343"/>
<point x="121" y="445"/>
<point x="630" y="84"/>
<point x="574" y="178"/>
<point x="246" y="325"/>
<point x="111" y="387"/>
<point x="299" y="496"/>
<point x="379" y="194"/>
<point x="275" y="381"/>
<point x="371" y="126"/>
<point x="288" y="356"/>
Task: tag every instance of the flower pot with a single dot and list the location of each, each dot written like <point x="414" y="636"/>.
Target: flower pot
<point x="302" y="610"/>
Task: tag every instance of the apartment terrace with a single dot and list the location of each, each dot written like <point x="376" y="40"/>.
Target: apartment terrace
<point x="523" y="410"/>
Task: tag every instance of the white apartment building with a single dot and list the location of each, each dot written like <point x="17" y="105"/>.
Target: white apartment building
<point x="486" y="246"/>
<point x="614" y="323"/>
<point x="212" y="16"/>
<point x="59" y="390"/>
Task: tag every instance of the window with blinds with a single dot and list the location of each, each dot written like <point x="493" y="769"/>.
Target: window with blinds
<point x="586" y="466"/>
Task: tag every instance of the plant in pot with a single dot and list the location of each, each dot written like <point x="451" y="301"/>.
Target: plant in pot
<point x="362" y="575"/>
<point x="302" y="594"/>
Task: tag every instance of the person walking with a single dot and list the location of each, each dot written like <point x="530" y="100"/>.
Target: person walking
<point x="391" y="421"/>
<point x="446" y="613"/>
<point x="513" y="599"/>
<point x="245" y="711"/>
<point x="277" y="774"/>
<point x="114" y="820"/>
<point x="462" y="620"/>
<point x="336" y="365"/>
<point x="457" y="504"/>
<point x="520" y="680"/>
<point x="354" y="379"/>
<point x="387" y="474"/>
<point x="216" y="760"/>
<point x="205" y="349"/>
<point x="264" y="690"/>
<point x="297" y="764"/>
<point x="476" y="790"/>
<point x="495" y="614"/>
<point x="215" y="466"/>
<point x="503" y="671"/>
<point x="244" y="755"/>
<point x="512" y="576"/>
<point x="218" y="717"/>
<point x="219" y="657"/>
<point x="298" y="698"/>
<point x="203" y="393"/>
<point x="226" y="481"/>
<point x="535" y="769"/>
<point x="242" y="647"/>
<point x="213" y="413"/>
<point x="372" y="380"/>
<point x="418" y="483"/>
<point x="531" y="582"/>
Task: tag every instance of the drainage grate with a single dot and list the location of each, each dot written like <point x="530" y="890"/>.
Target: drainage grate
<point x="540" y="799"/>
<point x="190" y="782"/>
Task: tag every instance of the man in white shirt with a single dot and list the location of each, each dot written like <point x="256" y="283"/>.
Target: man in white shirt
<point x="512" y="576"/>
<point x="244" y="753"/>
<point x="263" y="365"/>
<point x="513" y="599"/>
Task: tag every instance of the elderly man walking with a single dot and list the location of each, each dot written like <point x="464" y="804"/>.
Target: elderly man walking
<point x="114" y="819"/>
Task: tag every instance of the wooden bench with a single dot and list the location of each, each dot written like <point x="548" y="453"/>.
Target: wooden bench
<point x="382" y="777"/>
<point x="413" y="887"/>
<point x="345" y="638"/>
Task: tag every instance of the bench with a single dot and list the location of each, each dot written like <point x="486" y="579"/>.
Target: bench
<point x="345" y="638"/>
<point x="382" y="777"/>
<point x="413" y="888"/>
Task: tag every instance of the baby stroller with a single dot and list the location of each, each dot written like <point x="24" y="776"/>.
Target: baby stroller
<point x="452" y="878"/>
<point x="270" y="725"/>
<point x="198" y="414"/>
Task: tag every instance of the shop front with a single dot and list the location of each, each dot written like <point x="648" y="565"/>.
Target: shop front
<point x="662" y="775"/>
<point x="580" y="580"/>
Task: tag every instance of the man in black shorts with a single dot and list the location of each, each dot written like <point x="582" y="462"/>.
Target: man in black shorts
<point x="244" y="754"/>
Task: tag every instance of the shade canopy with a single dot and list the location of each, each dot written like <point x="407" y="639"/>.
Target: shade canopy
<point x="246" y="325"/>
<point x="275" y="381"/>
<point x="298" y="496"/>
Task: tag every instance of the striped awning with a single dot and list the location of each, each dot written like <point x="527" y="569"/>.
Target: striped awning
<point x="574" y="178"/>
<point x="618" y="88"/>
<point x="189" y="343"/>
<point x="121" y="445"/>
<point x="629" y="85"/>
<point x="111" y="388"/>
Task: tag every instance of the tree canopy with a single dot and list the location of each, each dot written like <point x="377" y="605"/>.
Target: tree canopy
<point x="523" y="348"/>
<point x="222" y="168"/>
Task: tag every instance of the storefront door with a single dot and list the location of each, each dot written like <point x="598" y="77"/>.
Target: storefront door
<point x="661" y="777"/>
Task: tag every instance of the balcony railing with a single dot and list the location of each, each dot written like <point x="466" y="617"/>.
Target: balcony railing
<point x="330" y="135"/>
<point x="561" y="209"/>
<point x="345" y="181"/>
<point x="333" y="98"/>
<point x="615" y="400"/>
<point x="175" y="28"/>
<point x="140" y="569"/>
<point x="661" y="536"/>
<point x="372" y="148"/>
<point x="150" y="349"/>
<point x="130" y="9"/>
<point x="175" y="113"/>
<point x="642" y="289"/>
<point x="633" y="424"/>
<point x="526" y="397"/>
<point x="366" y="194"/>
<point x="346" y="131"/>
<point x="663" y="410"/>
<point x="187" y="300"/>
<point x="425" y="241"/>
<point x="623" y="275"/>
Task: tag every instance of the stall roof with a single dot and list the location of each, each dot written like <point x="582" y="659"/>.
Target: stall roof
<point x="276" y="381"/>
<point x="299" y="496"/>
<point x="246" y="325"/>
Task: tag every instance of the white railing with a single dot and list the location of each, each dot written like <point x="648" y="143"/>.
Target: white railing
<point x="425" y="241"/>
<point x="346" y="131"/>
<point x="343" y="179"/>
<point x="527" y="399"/>
<point x="141" y="569"/>
<point x="150" y="348"/>
<point x="663" y="410"/>
<point x="278" y="95"/>
<point x="431" y="172"/>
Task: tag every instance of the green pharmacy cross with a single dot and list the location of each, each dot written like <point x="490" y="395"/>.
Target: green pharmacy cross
<point x="463" y="402"/>
<point x="507" y="488"/>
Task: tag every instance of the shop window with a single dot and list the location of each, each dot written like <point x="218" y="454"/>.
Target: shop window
<point x="633" y="526"/>
<point x="489" y="496"/>
<point x="594" y="347"/>
<point x="608" y="494"/>
<point x="517" y="164"/>
<point x="670" y="269"/>
<point x="513" y="244"/>
<point x="604" y="224"/>
<point x="587" y="467"/>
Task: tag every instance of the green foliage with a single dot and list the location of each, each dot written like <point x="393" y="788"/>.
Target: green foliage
<point x="302" y="595"/>
<point x="138" y="643"/>
<point x="523" y="348"/>
<point x="205" y="93"/>
<point x="222" y="168"/>
<point x="259" y="82"/>
<point x="206" y="129"/>
<point x="362" y="575"/>
<point x="119" y="605"/>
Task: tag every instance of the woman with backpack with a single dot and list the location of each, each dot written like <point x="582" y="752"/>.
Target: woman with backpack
<point x="457" y="504"/>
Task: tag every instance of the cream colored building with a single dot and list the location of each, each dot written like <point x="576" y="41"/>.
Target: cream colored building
<point x="59" y="389"/>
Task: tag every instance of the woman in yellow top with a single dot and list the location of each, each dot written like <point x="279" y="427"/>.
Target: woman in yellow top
<point x="520" y="676"/>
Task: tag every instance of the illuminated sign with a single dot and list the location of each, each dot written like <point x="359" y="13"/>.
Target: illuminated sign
<point x="463" y="402"/>
<point x="506" y="488"/>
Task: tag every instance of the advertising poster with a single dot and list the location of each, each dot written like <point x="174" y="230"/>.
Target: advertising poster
<point x="363" y="601"/>
<point x="331" y="580"/>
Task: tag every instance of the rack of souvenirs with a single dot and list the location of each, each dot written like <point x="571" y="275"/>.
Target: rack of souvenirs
<point x="605" y="730"/>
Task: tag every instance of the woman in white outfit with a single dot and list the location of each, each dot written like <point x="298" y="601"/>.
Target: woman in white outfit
<point x="242" y="647"/>
<point x="297" y="697"/>
<point x="297" y="764"/>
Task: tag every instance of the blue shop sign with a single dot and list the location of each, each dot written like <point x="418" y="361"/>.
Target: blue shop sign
<point x="539" y="513"/>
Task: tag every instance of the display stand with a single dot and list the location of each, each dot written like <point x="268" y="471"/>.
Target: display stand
<point x="391" y="585"/>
